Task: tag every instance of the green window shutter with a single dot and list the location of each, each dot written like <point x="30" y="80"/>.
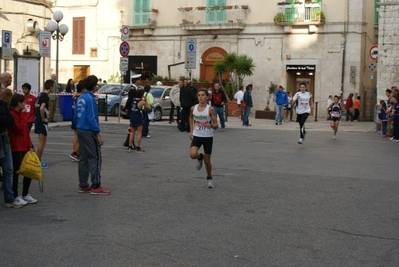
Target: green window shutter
<point x="141" y="12"/>
<point x="217" y="15"/>
<point x="376" y="11"/>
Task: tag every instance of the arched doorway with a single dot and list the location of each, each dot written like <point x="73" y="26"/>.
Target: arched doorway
<point x="209" y="57"/>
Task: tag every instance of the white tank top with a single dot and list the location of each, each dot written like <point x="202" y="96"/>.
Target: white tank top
<point x="200" y="120"/>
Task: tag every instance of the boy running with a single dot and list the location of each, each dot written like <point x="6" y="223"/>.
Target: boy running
<point x="334" y="114"/>
<point x="203" y="122"/>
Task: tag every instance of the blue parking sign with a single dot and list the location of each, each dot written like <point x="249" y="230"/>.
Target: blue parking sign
<point x="6" y="45"/>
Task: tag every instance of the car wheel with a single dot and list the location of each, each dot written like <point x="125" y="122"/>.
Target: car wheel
<point x="157" y="114"/>
<point x="115" y="110"/>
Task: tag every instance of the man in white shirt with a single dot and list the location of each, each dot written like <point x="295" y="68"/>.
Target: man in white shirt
<point x="239" y="96"/>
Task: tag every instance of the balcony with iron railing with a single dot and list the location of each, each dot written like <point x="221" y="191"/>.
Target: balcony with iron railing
<point x="226" y="18"/>
<point x="299" y="13"/>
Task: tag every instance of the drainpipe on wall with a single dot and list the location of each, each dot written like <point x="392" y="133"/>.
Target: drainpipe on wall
<point x="343" y="46"/>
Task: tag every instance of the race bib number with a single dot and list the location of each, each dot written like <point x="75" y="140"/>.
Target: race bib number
<point x="27" y="108"/>
<point x="335" y="114"/>
<point x="201" y="125"/>
<point x="304" y="104"/>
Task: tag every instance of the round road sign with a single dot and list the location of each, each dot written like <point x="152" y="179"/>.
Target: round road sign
<point x="124" y="49"/>
<point x="373" y="53"/>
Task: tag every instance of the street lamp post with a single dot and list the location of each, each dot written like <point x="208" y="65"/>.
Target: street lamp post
<point x="57" y="33"/>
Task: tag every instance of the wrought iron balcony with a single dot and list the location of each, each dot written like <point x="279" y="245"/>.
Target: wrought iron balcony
<point x="226" y="18"/>
<point x="299" y="13"/>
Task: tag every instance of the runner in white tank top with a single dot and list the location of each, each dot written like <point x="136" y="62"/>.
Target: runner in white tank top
<point x="202" y="123"/>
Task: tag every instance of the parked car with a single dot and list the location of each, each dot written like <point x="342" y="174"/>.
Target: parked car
<point x="161" y="99"/>
<point x="111" y="92"/>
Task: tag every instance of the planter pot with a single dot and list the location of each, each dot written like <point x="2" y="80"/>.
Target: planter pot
<point x="233" y="109"/>
<point x="265" y="114"/>
<point x="201" y="8"/>
<point x="228" y="7"/>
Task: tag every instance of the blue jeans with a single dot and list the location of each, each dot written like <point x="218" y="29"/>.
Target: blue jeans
<point x="7" y="166"/>
<point x="384" y="127"/>
<point x="279" y="113"/>
<point x="220" y="112"/>
<point x="245" y="119"/>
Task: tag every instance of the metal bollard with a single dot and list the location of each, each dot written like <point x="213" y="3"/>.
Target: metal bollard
<point x="105" y="108"/>
<point x="316" y="111"/>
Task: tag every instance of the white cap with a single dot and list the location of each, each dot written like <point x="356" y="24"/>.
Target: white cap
<point x="136" y="76"/>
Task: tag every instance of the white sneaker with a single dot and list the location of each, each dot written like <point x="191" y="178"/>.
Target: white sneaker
<point x="334" y="137"/>
<point x="199" y="163"/>
<point x="28" y="198"/>
<point x="19" y="200"/>
<point x="300" y="141"/>
<point x="392" y="138"/>
<point x="210" y="183"/>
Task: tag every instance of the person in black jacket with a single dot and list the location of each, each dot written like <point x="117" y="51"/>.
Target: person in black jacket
<point x="188" y="97"/>
<point x="135" y="80"/>
<point x="6" y="164"/>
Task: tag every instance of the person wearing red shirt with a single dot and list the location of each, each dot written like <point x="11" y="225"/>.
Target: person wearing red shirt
<point x="356" y="107"/>
<point x="30" y="101"/>
<point x="348" y="107"/>
<point x="20" y="144"/>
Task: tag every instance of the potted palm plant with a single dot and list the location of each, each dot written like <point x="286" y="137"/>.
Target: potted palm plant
<point x="267" y="113"/>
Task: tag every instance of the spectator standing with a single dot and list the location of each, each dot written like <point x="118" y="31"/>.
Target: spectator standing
<point x="175" y="101"/>
<point x="248" y="101"/>
<point x="79" y="91"/>
<point x="303" y="108"/>
<point x="30" y="101"/>
<point x="136" y="121"/>
<point x="6" y="80"/>
<point x="287" y="107"/>
<point x="395" y="118"/>
<point x="149" y="98"/>
<point x="356" y="107"/>
<point x="70" y="87"/>
<point x="187" y="100"/>
<point x="218" y="101"/>
<point x="203" y="122"/>
<point x="135" y="82"/>
<point x="329" y="102"/>
<point x="53" y="98"/>
<point x="348" y="107"/>
<point x="239" y="96"/>
<point x="388" y="94"/>
<point x="281" y="100"/>
<point x="20" y="144"/>
<point x="90" y="141"/>
<point x="382" y="115"/>
<point x="42" y="118"/>
<point x="6" y="164"/>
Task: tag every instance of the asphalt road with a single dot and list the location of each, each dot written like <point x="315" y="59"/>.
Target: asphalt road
<point x="276" y="203"/>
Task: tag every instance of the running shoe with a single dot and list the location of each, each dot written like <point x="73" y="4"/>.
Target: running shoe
<point x="128" y="149"/>
<point x="84" y="189"/>
<point x="44" y="165"/>
<point x="300" y="141"/>
<point x="74" y="156"/>
<point x="20" y="200"/>
<point x="14" y="205"/>
<point x="334" y="137"/>
<point x="394" y="140"/>
<point x="199" y="162"/>
<point x="28" y="198"/>
<point x="139" y="150"/>
<point x="100" y="191"/>
<point x="148" y="135"/>
<point x="210" y="183"/>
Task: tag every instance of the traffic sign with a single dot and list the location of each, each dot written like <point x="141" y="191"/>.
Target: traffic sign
<point x="45" y="44"/>
<point x="191" y="53"/>
<point x="124" y="64"/>
<point x="373" y="53"/>
<point x="125" y="33"/>
<point x="372" y="67"/>
<point x="6" y="44"/>
<point x="124" y="49"/>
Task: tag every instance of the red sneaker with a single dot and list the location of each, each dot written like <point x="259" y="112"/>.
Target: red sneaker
<point x="84" y="189"/>
<point x="100" y="191"/>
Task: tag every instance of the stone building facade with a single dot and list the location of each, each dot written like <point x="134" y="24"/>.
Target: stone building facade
<point x="329" y="50"/>
<point x="25" y="19"/>
<point x="388" y="47"/>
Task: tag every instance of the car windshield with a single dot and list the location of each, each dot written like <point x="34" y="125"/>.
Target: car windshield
<point x="113" y="89"/>
<point x="156" y="92"/>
